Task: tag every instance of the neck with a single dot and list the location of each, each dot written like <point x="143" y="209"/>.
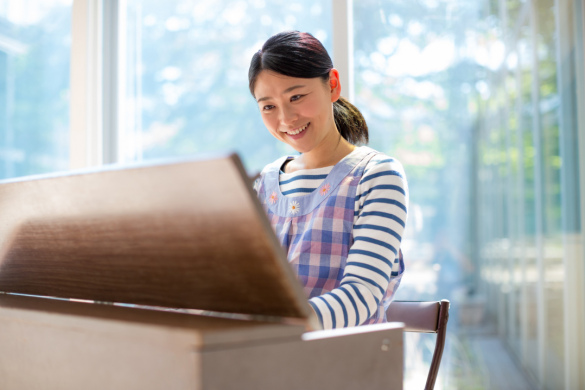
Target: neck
<point x="327" y="154"/>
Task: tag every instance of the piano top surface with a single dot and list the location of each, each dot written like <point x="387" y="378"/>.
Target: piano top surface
<point x="183" y="235"/>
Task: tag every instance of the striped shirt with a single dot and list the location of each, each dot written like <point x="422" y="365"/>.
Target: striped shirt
<point x="373" y="269"/>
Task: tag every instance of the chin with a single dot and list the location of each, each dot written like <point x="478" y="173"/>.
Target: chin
<point x="300" y="149"/>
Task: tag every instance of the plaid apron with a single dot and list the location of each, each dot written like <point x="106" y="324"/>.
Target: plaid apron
<point x="316" y="229"/>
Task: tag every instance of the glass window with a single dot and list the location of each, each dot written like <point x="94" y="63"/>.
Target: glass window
<point x="416" y="75"/>
<point x="414" y="84"/>
<point x="186" y="75"/>
<point x="529" y="300"/>
<point x="35" y="43"/>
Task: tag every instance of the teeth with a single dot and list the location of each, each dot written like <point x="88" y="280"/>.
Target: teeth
<point x="297" y="131"/>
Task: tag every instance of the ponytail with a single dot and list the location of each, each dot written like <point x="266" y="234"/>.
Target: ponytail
<point x="350" y="122"/>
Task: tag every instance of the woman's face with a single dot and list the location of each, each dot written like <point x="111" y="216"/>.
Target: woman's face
<point x="298" y="111"/>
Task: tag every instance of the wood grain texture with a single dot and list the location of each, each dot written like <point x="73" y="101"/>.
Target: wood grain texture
<point x="188" y="235"/>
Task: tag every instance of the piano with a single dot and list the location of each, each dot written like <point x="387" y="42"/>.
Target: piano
<point x="164" y="276"/>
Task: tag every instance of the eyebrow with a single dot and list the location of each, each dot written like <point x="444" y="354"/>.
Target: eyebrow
<point x="283" y="92"/>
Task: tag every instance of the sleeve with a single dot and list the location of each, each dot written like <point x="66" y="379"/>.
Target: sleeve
<point x="374" y="266"/>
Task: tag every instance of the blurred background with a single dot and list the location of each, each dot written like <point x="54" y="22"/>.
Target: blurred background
<point x="478" y="99"/>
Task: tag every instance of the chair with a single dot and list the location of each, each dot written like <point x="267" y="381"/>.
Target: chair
<point x="425" y="317"/>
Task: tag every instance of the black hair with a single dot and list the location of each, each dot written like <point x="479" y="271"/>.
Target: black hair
<point x="301" y="55"/>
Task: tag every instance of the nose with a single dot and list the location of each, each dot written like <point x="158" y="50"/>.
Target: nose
<point x="288" y="116"/>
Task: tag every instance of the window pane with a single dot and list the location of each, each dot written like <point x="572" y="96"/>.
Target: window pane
<point x="415" y="75"/>
<point x="416" y="91"/>
<point x="186" y="74"/>
<point x="35" y="44"/>
<point x="531" y="296"/>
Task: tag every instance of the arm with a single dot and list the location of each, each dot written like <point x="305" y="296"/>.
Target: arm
<point x="372" y="265"/>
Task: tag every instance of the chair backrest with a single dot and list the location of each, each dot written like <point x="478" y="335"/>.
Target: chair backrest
<point x="425" y="317"/>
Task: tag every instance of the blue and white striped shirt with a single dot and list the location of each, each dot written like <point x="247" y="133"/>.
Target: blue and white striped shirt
<point x="370" y="266"/>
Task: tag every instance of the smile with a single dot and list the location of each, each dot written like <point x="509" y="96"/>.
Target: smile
<point x="299" y="130"/>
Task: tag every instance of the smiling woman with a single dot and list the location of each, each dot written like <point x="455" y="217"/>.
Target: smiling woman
<point x="339" y="210"/>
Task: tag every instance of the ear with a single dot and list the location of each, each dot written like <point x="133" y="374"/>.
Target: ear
<point x="334" y="85"/>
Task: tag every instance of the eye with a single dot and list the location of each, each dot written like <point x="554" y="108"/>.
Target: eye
<point x="296" y="97"/>
<point x="267" y="107"/>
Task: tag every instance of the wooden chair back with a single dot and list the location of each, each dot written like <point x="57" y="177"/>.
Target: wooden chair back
<point x="424" y="317"/>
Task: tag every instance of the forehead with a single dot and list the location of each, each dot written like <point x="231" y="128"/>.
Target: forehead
<point x="272" y="84"/>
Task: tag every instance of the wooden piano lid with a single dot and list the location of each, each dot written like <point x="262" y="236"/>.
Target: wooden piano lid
<point x="185" y="235"/>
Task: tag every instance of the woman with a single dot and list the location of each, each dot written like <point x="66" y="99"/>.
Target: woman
<point x="338" y="210"/>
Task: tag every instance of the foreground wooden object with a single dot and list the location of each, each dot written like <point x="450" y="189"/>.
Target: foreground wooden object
<point x="189" y="234"/>
<point x="49" y="344"/>
<point x="187" y="238"/>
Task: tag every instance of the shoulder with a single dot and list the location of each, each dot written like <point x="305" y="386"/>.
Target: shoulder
<point x="383" y="184"/>
<point x="382" y="167"/>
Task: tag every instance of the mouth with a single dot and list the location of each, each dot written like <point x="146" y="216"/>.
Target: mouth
<point x="298" y="130"/>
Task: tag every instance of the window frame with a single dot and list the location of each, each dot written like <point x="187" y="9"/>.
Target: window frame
<point x="575" y="313"/>
<point x="86" y="138"/>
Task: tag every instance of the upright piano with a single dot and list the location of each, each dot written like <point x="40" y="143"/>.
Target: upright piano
<point x="164" y="276"/>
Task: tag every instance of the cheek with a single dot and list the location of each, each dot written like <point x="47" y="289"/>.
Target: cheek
<point x="270" y="124"/>
<point x="317" y="108"/>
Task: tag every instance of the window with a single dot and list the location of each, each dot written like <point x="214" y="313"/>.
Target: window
<point x="34" y="86"/>
<point x="186" y="75"/>
<point x="527" y="184"/>
<point x="415" y="81"/>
